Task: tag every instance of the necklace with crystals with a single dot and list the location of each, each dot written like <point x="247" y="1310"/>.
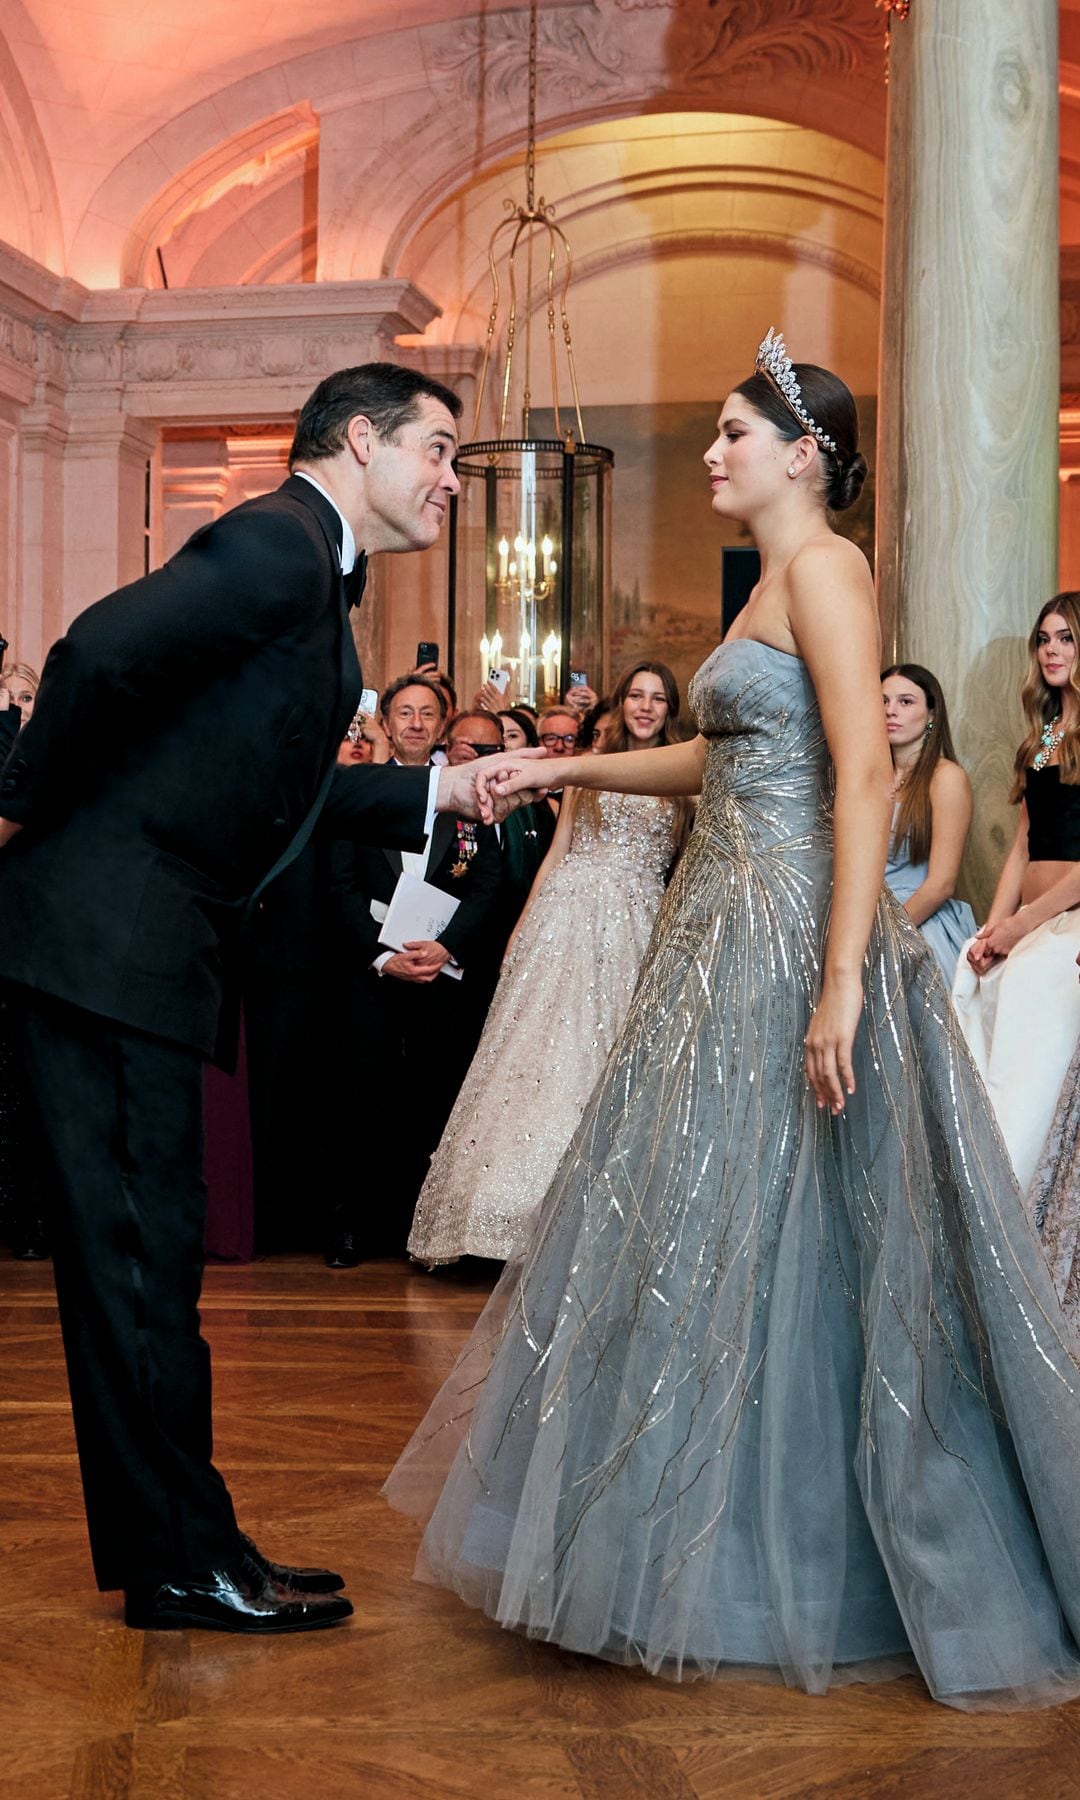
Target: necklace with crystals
<point x="1051" y="738"/>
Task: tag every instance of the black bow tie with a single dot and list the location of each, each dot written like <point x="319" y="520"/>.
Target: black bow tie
<point x="354" y="582"/>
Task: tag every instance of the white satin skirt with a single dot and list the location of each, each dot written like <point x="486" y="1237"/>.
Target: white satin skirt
<point x="1022" y="1024"/>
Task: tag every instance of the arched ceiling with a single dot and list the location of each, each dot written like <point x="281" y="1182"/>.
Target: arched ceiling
<point x="291" y="139"/>
<point x="144" y="113"/>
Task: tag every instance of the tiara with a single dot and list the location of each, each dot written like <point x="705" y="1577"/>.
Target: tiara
<point x="774" y="361"/>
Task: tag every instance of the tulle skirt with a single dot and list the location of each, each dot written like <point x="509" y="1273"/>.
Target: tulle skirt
<point x="772" y="1390"/>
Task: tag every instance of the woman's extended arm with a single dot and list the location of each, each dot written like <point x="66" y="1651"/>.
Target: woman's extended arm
<point x="833" y="619"/>
<point x="950" y="822"/>
<point x="668" y="773"/>
<point x="559" y="845"/>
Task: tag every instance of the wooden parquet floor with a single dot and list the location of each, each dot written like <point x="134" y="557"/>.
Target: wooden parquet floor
<point x="320" y="1378"/>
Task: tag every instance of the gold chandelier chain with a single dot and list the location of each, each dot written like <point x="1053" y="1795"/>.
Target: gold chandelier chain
<point x="530" y="151"/>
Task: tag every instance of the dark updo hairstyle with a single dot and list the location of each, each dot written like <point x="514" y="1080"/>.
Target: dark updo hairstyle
<point x="830" y="404"/>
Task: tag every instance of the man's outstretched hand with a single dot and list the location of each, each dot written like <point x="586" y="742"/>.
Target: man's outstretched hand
<point x="503" y="782"/>
<point x="472" y="791"/>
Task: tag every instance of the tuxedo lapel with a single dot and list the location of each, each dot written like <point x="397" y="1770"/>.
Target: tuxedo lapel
<point x="393" y="857"/>
<point x="350" y="588"/>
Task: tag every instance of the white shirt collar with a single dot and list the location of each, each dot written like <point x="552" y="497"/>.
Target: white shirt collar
<point x="348" y="541"/>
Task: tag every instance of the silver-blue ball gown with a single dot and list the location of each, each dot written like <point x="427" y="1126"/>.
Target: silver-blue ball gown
<point x="772" y="1390"/>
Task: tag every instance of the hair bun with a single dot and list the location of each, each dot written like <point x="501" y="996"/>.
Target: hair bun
<point x="847" y="483"/>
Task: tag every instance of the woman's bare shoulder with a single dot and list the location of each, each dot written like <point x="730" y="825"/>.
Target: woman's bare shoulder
<point x="949" y="782"/>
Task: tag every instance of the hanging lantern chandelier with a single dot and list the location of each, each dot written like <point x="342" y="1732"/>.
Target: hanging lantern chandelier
<point x="530" y="531"/>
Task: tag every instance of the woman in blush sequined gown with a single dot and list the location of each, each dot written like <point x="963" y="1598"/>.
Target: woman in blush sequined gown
<point x="567" y="979"/>
<point x="782" y="1383"/>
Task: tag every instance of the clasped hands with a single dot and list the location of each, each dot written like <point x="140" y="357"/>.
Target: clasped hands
<point x="421" y="960"/>
<point x="993" y="942"/>
<point x="491" y="787"/>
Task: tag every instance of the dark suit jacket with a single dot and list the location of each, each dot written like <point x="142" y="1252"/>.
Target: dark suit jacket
<point x="184" y="735"/>
<point x="361" y="874"/>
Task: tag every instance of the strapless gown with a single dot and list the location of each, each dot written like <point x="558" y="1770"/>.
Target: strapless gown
<point x="772" y="1390"/>
<point x="561" y="999"/>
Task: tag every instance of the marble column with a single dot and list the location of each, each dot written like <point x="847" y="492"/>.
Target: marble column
<point x="967" y="477"/>
<point x="39" y="613"/>
<point x="105" y="485"/>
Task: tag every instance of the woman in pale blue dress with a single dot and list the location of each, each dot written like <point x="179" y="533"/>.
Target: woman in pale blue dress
<point x="781" y="1382"/>
<point x="931" y="814"/>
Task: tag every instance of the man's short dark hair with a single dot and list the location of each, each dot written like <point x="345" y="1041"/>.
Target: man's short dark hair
<point x="464" y="718"/>
<point x="386" y="393"/>
<point x="408" y="681"/>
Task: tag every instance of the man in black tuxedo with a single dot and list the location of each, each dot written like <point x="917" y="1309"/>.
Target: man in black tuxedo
<point x="181" y="751"/>
<point x="411" y="1030"/>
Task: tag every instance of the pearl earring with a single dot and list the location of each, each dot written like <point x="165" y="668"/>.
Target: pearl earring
<point x="791" y="470"/>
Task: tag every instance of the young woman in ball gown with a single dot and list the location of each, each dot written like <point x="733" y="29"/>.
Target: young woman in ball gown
<point x="782" y="1382"/>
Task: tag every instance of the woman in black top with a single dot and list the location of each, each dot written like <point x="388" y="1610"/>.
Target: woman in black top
<point x="1019" y="1008"/>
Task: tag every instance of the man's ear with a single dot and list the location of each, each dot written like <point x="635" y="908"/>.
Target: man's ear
<point x="360" y="436"/>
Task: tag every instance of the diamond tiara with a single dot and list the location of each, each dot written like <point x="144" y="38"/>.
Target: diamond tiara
<point x="774" y="361"/>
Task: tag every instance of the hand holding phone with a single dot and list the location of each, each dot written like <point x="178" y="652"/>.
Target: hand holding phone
<point x="427" y="654"/>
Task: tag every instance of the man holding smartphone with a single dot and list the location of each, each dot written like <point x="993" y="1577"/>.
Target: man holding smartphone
<point x="168" y="775"/>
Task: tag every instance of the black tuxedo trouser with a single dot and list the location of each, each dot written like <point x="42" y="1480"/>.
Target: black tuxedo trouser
<point x="122" y="1120"/>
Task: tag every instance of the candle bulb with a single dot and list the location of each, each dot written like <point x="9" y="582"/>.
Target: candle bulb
<point x="504" y="553"/>
<point x="549" y="650"/>
<point x="546" y="564"/>
<point x="523" y="649"/>
<point x="496" y="650"/>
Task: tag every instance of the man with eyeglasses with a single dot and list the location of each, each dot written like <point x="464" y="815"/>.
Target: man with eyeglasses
<point x="558" y="729"/>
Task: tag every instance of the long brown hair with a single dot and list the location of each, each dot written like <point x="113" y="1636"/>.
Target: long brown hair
<point x="1042" y="704"/>
<point x="914" y="822"/>
<point x="618" y="738"/>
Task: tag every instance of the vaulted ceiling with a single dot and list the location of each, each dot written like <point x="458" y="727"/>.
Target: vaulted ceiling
<point x="236" y="142"/>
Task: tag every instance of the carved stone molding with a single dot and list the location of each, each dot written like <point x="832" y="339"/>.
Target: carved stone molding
<point x="598" y="48"/>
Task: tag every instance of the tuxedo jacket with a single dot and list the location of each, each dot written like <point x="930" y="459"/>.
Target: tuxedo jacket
<point x="362" y="874"/>
<point x="182" y="745"/>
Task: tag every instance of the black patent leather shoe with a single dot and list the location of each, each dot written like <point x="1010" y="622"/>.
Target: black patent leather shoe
<point x="344" y="1251"/>
<point x="237" y="1599"/>
<point x="298" y="1581"/>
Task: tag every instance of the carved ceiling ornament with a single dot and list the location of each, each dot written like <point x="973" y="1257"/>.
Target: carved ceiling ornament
<point x="591" y="49"/>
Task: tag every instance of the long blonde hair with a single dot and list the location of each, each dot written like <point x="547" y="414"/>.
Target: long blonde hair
<point x="1042" y="704"/>
<point x="617" y="738"/>
<point x="21" y="672"/>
